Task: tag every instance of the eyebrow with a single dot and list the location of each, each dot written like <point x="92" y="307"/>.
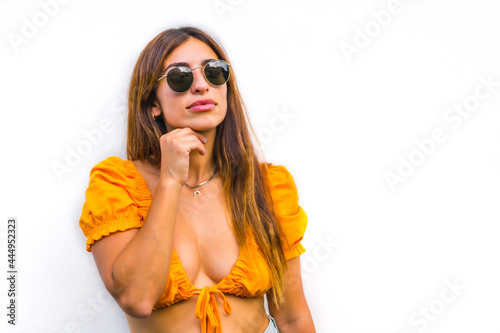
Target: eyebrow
<point x="185" y="64"/>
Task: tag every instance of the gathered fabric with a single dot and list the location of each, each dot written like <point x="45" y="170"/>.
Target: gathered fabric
<point x="118" y="199"/>
<point x="207" y="310"/>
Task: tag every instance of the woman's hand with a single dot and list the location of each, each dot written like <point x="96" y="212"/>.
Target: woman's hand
<point x="175" y="147"/>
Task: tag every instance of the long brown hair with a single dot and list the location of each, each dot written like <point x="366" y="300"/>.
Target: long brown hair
<point x="246" y="190"/>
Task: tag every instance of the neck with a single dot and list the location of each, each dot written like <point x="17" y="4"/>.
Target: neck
<point x="202" y="167"/>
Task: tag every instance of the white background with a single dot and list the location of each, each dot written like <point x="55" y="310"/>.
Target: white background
<point x="377" y="257"/>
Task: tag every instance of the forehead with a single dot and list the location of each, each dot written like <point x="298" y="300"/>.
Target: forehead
<point x="192" y="52"/>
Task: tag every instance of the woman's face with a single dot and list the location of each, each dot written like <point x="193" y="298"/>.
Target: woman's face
<point x="175" y="107"/>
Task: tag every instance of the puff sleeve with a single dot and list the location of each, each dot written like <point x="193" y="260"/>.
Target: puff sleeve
<point x="112" y="201"/>
<point x="293" y="219"/>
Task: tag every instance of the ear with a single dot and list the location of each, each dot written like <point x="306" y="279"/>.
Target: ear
<point x="156" y="109"/>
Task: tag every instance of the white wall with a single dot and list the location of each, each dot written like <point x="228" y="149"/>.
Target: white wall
<point x="378" y="256"/>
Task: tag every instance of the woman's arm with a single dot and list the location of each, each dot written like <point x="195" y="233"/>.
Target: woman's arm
<point x="293" y="315"/>
<point x="134" y="264"/>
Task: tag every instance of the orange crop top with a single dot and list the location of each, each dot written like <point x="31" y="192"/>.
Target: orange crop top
<point x="118" y="199"/>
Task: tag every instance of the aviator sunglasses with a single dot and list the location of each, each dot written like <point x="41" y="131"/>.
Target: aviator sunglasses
<point x="180" y="79"/>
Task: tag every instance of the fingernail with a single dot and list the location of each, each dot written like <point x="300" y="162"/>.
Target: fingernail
<point x="205" y="139"/>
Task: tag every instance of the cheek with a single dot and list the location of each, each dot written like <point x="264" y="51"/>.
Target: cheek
<point x="171" y="104"/>
<point x="223" y="107"/>
<point x="224" y="99"/>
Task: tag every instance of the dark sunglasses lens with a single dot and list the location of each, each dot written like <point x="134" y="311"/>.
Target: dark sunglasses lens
<point x="217" y="72"/>
<point x="180" y="79"/>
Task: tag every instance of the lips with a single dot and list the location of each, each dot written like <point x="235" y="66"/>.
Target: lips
<point x="201" y="102"/>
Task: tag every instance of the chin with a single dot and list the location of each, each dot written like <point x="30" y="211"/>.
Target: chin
<point x="205" y="124"/>
<point x="203" y="128"/>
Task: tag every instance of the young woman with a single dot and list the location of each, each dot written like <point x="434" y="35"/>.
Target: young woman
<point x="192" y="230"/>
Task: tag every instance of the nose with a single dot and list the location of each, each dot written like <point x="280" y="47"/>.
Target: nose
<point x="200" y="84"/>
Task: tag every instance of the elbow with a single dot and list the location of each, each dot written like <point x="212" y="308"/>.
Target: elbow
<point x="303" y="324"/>
<point x="137" y="308"/>
<point x="132" y="302"/>
<point x="135" y="300"/>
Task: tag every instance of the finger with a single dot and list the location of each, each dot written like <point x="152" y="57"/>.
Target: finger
<point x="200" y="137"/>
<point x="197" y="134"/>
<point x="195" y="144"/>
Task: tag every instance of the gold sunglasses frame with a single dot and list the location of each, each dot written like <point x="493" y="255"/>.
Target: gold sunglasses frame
<point x="202" y="69"/>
